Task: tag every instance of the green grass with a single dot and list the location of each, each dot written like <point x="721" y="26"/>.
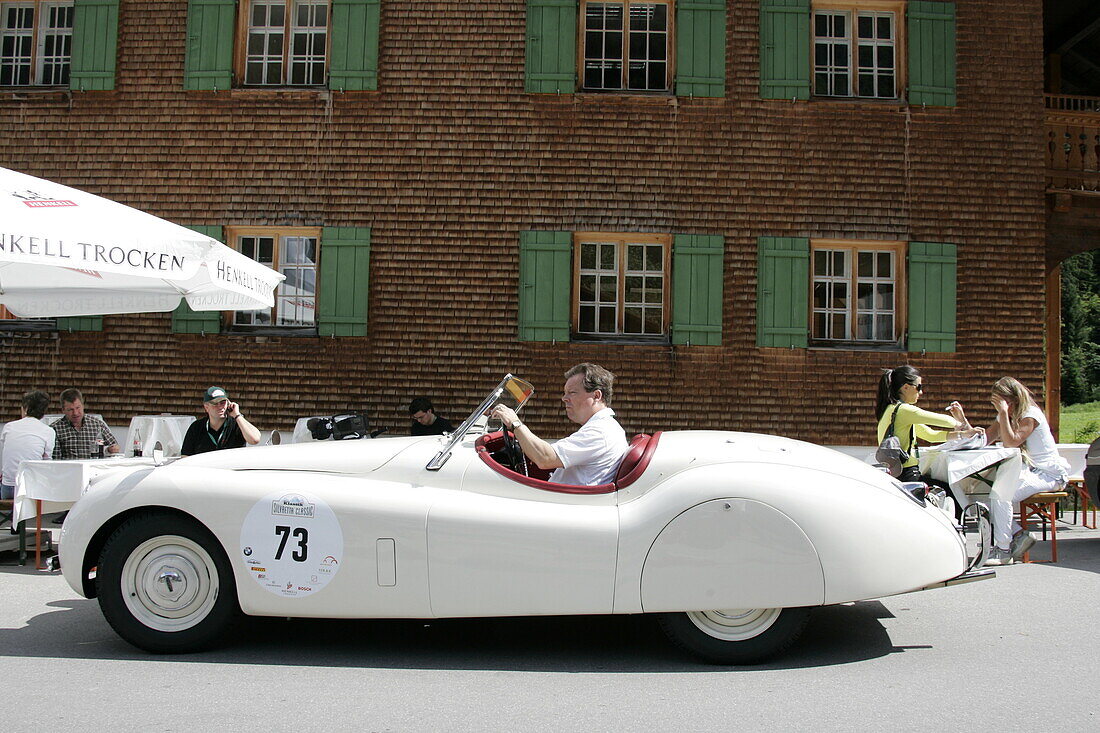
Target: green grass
<point x="1079" y="423"/>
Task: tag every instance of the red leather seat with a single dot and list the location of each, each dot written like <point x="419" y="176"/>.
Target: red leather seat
<point x="638" y="455"/>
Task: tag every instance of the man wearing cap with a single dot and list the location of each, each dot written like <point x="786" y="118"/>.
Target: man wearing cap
<point x="223" y="427"/>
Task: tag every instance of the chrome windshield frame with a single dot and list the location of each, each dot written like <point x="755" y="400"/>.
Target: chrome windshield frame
<point x="442" y="456"/>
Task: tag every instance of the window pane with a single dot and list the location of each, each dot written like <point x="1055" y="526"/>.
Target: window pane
<point x="632" y="320"/>
<point x="266" y="250"/>
<point x="884" y="329"/>
<point x="588" y="319"/>
<point x="840" y="263"/>
<point x="654" y="260"/>
<point x="821" y="262"/>
<point x="864" y="327"/>
<point x="866" y="264"/>
<point x="866" y="27"/>
<point x="884" y="296"/>
<point x="588" y="288"/>
<point x="819" y="331"/>
<point x="608" y="288"/>
<point x="840" y="295"/>
<point x="654" y="290"/>
<point x="864" y="296"/>
<point x="607" y="257"/>
<point x="607" y="319"/>
<point x="886" y="27"/>
<point x="635" y="255"/>
<point x="634" y="288"/>
<point x="821" y="295"/>
<point x="885" y="264"/>
<point x="653" y="322"/>
<point x="839" y="326"/>
<point x="588" y="256"/>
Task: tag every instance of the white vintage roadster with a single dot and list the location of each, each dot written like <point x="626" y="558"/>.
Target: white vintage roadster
<point x="729" y="537"/>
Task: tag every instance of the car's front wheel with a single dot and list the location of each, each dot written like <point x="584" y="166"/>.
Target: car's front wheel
<point x="735" y="636"/>
<point x="165" y="584"/>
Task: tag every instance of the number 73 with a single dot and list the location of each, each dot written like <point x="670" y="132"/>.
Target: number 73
<point x="299" y="533"/>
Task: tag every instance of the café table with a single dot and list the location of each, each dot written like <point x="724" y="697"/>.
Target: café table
<point x="974" y="473"/>
<point x="45" y="487"/>
<point x="148" y="430"/>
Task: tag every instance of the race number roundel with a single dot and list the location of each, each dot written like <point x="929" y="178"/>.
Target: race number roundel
<point x="291" y="543"/>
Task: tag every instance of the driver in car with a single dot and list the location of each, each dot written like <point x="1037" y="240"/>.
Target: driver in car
<point x="590" y="456"/>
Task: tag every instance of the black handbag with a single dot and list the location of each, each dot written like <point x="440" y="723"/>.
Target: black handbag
<point x="890" y="453"/>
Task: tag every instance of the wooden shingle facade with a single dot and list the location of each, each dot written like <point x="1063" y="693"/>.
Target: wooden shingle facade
<point x="466" y="153"/>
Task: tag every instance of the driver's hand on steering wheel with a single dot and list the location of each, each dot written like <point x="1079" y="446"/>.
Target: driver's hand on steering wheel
<point x="505" y="414"/>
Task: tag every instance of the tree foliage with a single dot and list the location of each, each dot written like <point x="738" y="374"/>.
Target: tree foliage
<point x="1081" y="328"/>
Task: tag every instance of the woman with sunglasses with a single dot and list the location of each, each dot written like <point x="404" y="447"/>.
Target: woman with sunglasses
<point x="1020" y="424"/>
<point x="898" y="392"/>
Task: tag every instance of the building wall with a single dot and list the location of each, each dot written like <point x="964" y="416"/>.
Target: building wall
<point x="450" y="159"/>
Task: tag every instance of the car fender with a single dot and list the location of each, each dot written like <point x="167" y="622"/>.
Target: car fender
<point x="869" y="539"/>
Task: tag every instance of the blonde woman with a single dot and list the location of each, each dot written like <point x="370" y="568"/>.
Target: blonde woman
<point x="1019" y="424"/>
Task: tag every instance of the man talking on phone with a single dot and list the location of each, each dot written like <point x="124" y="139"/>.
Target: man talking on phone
<point x="223" y="427"/>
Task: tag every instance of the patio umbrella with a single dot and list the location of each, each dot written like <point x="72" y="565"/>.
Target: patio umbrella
<point x="64" y="252"/>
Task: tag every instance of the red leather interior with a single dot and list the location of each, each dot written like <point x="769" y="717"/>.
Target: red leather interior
<point x="634" y="463"/>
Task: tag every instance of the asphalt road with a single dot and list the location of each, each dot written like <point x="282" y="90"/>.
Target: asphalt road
<point x="1020" y="652"/>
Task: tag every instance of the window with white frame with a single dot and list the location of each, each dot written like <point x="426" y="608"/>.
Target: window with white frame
<point x="293" y="252"/>
<point x="286" y="42"/>
<point x="621" y="284"/>
<point x="856" y="291"/>
<point x="856" y="49"/>
<point x="35" y="43"/>
<point x="626" y="46"/>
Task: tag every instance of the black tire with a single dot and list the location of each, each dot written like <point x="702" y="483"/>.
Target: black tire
<point x="736" y="636"/>
<point x="165" y="584"/>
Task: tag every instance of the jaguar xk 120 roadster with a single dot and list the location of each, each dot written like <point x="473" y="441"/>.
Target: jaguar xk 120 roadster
<point x="728" y="538"/>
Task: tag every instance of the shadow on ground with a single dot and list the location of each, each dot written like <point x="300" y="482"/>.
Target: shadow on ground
<point x="74" y="628"/>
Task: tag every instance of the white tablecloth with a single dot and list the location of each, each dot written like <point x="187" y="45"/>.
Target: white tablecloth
<point x="148" y="430"/>
<point x="58" y="484"/>
<point x="956" y="468"/>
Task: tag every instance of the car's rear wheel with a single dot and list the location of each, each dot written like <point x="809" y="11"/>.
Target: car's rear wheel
<point x="735" y="636"/>
<point x="165" y="584"/>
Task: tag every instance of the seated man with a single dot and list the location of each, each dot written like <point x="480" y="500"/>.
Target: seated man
<point x="424" y="419"/>
<point x="223" y="427"/>
<point x="26" y="439"/>
<point x="590" y="456"/>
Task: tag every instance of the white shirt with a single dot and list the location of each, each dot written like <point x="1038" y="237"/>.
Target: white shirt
<point x="23" y="440"/>
<point x="1041" y="448"/>
<point x="591" y="456"/>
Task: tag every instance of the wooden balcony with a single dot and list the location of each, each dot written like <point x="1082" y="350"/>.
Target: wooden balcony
<point x="1073" y="143"/>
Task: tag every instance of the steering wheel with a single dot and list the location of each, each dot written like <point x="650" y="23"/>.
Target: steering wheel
<point x="513" y="452"/>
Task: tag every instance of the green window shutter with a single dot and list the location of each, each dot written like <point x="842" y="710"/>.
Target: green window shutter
<point x="353" y="61"/>
<point x="782" y="296"/>
<point x="701" y="48"/>
<point x="80" y="323"/>
<point x="545" y="280"/>
<point x="95" y="42"/>
<point x="185" y="320"/>
<point x="697" y="289"/>
<point x="210" y="30"/>
<point x="785" y="49"/>
<point x="551" y="46"/>
<point x="344" y="281"/>
<point x="932" y="286"/>
<point x="932" y="53"/>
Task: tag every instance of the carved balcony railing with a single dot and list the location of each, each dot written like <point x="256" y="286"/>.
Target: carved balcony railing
<point x="1073" y="142"/>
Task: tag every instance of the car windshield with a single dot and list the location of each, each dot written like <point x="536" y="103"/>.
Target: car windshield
<point x="512" y="391"/>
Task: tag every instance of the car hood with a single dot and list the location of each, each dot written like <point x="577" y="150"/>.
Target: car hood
<point x="326" y="456"/>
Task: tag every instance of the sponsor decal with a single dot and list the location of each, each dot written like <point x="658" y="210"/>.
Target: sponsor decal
<point x="49" y="203"/>
<point x="305" y="588"/>
<point x="36" y="200"/>
<point x="292" y="505"/>
<point x="133" y="257"/>
<point x="248" y="552"/>
<point x="258" y="569"/>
